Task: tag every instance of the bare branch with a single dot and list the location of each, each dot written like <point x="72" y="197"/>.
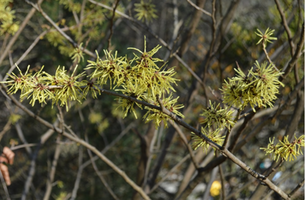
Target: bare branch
<point x="297" y="54"/>
<point x="99" y="174"/>
<point x="287" y="29"/>
<point x="7" y="195"/>
<point x="296" y="188"/>
<point x="189" y="148"/>
<point x="170" y="172"/>
<point x="111" y="23"/>
<point x="53" y="170"/>
<point x="12" y="41"/>
<point x="79" y="172"/>
<point x="198" y="8"/>
<point x="39" y="9"/>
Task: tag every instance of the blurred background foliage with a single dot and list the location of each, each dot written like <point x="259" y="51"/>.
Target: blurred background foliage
<point x="100" y="121"/>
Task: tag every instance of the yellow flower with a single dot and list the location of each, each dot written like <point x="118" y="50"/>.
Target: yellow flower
<point x="284" y="149"/>
<point x="215" y="188"/>
<point x="145" y="11"/>
<point x="256" y="88"/>
<point x="220" y="117"/>
<point x="265" y="37"/>
<point x="214" y="136"/>
<point x="158" y="116"/>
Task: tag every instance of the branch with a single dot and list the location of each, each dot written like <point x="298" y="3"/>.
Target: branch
<point x="7" y="195"/>
<point x="6" y="128"/>
<point x="79" y="173"/>
<point x="111" y="23"/>
<point x="43" y="139"/>
<point x="296" y="116"/>
<point x="14" y="38"/>
<point x="285" y="26"/>
<point x="301" y="184"/>
<point x="256" y="175"/>
<point x="189" y="148"/>
<point x="296" y="55"/>
<point x="101" y="176"/>
<point x="24" y="54"/>
<point x="170" y="172"/>
<point x="163" y="43"/>
<point x="198" y="8"/>
<point x="52" y="171"/>
<point x="225" y="152"/>
<point x="39" y="9"/>
<point x="222" y="180"/>
<point x="83" y="143"/>
<point x="22" y="138"/>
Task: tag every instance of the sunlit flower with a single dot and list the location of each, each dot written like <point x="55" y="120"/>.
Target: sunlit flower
<point x="213" y="135"/>
<point x="158" y="116"/>
<point x="265" y="37"/>
<point x="220" y="117"/>
<point x="256" y="88"/>
<point x="284" y="149"/>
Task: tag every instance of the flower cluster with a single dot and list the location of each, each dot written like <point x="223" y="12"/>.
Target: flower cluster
<point x="214" y="136"/>
<point x="158" y="116"/>
<point x="215" y="120"/>
<point x="77" y="54"/>
<point x="265" y="37"/>
<point x="256" y="88"/>
<point x="71" y="5"/>
<point x="145" y="11"/>
<point x="217" y="116"/>
<point x="6" y="18"/>
<point x="140" y="78"/>
<point x="41" y="86"/>
<point x="284" y="149"/>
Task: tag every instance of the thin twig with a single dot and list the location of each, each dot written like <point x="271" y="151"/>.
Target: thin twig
<point x="270" y="61"/>
<point x="22" y="146"/>
<point x="6" y="128"/>
<point x="21" y="27"/>
<point x="170" y="172"/>
<point x="38" y="38"/>
<point x="287" y="29"/>
<point x="240" y="130"/>
<point x="189" y="148"/>
<point x="98" y="173"/>
<point x="79" y="173"/>
<point x="198" y="8"/>
<point x="273" y="169"/>
<point x="222" y="180"/>
<point x="229" y="131"/>
<point x="39" y="9"/>
<point x="53" y="170"/>
<point x="83" y="143"/>
<point x="301" y="184"/>
<point x="22" y="138"/>
<point x="163" y="43"/>
<point x="111" y="23"/>
<point x="296" y="55"/>
<point x="7" y="195"/>
<point x="225" y="152"/>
